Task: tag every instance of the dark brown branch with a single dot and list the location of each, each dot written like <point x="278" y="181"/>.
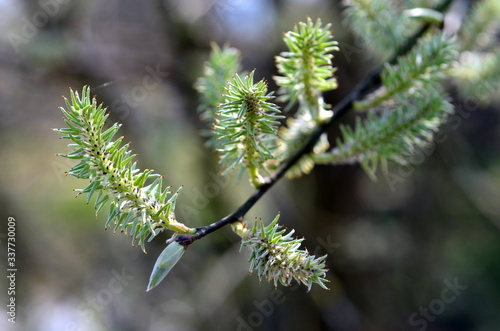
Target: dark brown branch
<point x="371" y="81"/>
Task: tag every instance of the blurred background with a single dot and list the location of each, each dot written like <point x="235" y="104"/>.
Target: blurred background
<point x="417" y="250"/>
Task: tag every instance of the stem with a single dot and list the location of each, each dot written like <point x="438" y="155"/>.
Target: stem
<point x="372" y="80"/>
<point x="178" y="227"/>
<point x="255" y="178"/>
<point x="251" y="149"/>
<point x="311" y="98"/>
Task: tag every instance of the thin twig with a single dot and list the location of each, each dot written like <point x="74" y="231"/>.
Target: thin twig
<point x="371" y="81"/>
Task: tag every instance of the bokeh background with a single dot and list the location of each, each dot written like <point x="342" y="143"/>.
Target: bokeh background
<point x="417" y="250"/>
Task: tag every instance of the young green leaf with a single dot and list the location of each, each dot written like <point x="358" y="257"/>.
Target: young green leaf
<point x="425" y="14"/>
<point x="165" y="262"/>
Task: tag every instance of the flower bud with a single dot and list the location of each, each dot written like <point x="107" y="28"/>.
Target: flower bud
<point x="165" y="262"/>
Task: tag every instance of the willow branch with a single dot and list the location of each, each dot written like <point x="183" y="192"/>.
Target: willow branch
<point x="370" y="82"/>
